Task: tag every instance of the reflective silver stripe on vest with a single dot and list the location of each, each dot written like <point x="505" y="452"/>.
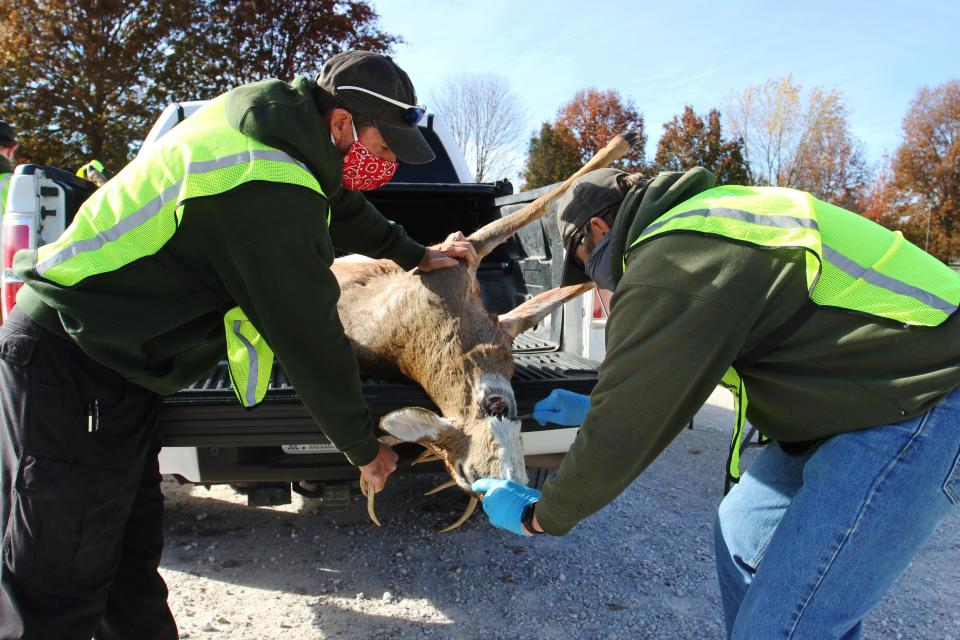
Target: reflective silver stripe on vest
<point x="877" y="279"/>
<point x="153" y="207"/>
<point x="780" y="222"/>
<point x="254" y="371"/>
<point x="832" y="256"/>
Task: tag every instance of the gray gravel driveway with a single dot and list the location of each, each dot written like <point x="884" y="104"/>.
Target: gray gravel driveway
<point x="641" y="568"/>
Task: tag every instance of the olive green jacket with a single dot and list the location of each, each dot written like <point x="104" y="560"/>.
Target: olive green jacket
<point x="265" y="247"/>
<point x="686" y="307"/>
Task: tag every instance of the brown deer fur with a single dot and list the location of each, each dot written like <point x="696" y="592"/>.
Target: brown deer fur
<point x="433" y="328"/>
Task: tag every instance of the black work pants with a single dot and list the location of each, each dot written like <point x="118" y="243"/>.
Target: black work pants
<point x="80" y="503"/>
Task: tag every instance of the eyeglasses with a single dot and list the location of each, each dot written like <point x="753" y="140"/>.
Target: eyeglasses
<point x="412" y="114"/>
<point x="580" y="235"/>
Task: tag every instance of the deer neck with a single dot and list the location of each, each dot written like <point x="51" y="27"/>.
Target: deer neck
<point x="462" y="384"/>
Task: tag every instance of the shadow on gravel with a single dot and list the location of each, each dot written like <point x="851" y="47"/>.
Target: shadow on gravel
<point x="632" y="571"/>
<point x="641" y="568"/>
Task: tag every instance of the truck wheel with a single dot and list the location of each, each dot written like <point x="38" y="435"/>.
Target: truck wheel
<point x="268" y="494"/>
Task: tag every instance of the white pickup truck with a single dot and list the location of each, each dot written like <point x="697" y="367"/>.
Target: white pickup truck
<point x="209" y="438"/>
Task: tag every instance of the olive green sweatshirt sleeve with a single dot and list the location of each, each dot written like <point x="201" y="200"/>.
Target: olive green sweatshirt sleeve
<point x="280" y="276"/>
<point x="358" y="227"/>
<point x="679" y="318"/>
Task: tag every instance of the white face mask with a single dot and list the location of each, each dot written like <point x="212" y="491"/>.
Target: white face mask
<point x="599" y="267"/>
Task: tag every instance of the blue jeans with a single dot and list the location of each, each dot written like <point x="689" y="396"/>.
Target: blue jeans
<point x="807" y="545"/>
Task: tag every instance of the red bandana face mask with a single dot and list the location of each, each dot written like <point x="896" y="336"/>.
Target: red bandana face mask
<point x="363" y="171"/>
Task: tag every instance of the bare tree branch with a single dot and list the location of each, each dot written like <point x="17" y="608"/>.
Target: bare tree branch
<point x="804" y="144"/>
<point x="487" y="121"/>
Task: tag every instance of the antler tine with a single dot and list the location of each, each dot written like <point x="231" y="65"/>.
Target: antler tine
<point x="426" y="456"/>
<point x="486" y="238"/>
<point x="370" y="493"/>
<point x="429" y="454"/>
<point x="466" y="515"/>
<point x="441" y="487"/>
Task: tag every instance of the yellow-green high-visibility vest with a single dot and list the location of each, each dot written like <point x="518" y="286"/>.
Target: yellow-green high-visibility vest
<point x="137" y="212"/>
<point x="93" y="164"/>
<point x="4" y="190"/>
<point x="852" y="263"/>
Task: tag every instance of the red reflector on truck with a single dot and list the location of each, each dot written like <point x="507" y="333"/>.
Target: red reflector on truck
<point x="10" y="296"/>
<point x="15" y="238"/>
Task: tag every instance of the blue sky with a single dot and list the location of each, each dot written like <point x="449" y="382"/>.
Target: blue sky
<point x="664" y="55"/>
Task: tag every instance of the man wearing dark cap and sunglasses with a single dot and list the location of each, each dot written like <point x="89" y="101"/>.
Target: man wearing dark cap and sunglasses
<point x="8" y="148"/>
<point x="216" y="241"/>
<point x="841" y="343"/>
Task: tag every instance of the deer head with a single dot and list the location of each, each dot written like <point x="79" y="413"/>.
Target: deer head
<point x="433" y="328"/>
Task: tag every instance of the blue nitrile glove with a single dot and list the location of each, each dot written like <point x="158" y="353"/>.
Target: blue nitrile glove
<point x="562" y="407"/>
<point x="504" y="502"/>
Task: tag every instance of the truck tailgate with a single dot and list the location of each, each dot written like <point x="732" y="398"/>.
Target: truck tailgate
<point x="207" y="413"/>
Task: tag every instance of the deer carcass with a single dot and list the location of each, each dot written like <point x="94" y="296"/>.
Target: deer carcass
<point x="433" y="328"/>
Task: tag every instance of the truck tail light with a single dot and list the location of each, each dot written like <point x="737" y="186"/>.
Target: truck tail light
<point x="16" y="236"/>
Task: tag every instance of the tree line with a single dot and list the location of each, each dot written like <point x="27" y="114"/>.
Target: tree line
<point x="777" y="134"/>
<point x="85" y="79"/>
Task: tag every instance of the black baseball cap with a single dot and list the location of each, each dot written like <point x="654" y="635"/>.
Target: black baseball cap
<point x="7" y="133"/>
<point x="591" y="195"/>
<point x="370" y="84"/>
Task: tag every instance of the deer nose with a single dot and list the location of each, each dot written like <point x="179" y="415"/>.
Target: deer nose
<point x="496" y="406"/>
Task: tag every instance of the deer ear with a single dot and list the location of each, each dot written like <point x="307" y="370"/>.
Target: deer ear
<point x="414" y="424"/>
<point x="527" y="315"/>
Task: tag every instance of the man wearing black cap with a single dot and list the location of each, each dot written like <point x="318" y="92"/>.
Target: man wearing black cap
<point x="8" y="147"/>
<point x="217" y="240"/>
<point x="842" y="343"/>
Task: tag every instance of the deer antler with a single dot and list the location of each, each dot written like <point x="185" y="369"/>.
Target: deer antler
<point x="466" y="515"/>
<point x="367" y="490"/>
<point x="528" y="314"/>
<point x="428" y="452"/>
<point x="486" y="238"/>
<point x="370" y="494"/>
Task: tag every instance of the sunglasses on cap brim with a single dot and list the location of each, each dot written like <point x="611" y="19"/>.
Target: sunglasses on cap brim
<point x="412" y="114"/>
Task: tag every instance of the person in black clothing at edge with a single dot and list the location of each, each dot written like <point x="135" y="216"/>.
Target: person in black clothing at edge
<point x="218" y="237"/>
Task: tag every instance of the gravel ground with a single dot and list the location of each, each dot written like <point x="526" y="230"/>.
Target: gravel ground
<point x="641" y="568"/>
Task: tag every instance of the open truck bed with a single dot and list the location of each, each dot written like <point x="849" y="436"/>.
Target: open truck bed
<point x="209" y="438"/>
<point x="236" y="445"/>
<point x="278" y="442"/>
